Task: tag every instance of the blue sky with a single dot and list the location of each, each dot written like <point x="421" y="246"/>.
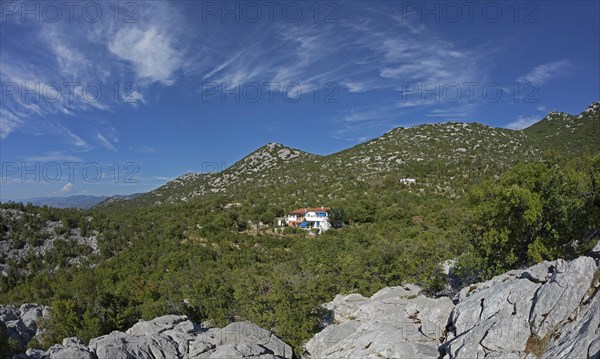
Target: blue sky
<point x="119" y="97"/>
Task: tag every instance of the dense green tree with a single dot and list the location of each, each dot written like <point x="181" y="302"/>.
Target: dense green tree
<point x="65" y="321"/>
<point x="535" y="211"/>
<point x="338" y="218"/>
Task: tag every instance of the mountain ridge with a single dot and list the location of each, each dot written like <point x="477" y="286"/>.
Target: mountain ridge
<point x="427" y="151"/>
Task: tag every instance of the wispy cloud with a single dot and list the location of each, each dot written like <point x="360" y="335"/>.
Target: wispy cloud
<point x="76" y="140"/>
<point x="105" y="142"/>
<point x="218" y="68"/>
<point x="74" y="66"/>
<point x="545" y="72"/>
<point x="377" y="56"/>
<point x="8" y="122"/>
<point x="523" y="122"/>
<point x="69" y="136"/>
<point x="53" y="156"/>
<point x="360" y="123"/>
<point x="374" y="50"/>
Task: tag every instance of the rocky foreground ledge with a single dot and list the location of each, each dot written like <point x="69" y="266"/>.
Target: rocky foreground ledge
<point x="550" y="310"/>
<point x="167" y="337"/>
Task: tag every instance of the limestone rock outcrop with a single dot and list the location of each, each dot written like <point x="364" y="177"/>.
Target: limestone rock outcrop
<point x="21" y="322"/>
<point x="396" y="322"/>
<point x="549" y="310"/>
<point x="535" y="312"/>
<point x="170" y="337"/>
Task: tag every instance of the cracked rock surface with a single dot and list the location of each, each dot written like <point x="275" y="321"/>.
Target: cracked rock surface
<point x="21" y="322"/>
<point x="173" y="336"/>
<point x="396" y="322"/>
<point x="549" y="310"/>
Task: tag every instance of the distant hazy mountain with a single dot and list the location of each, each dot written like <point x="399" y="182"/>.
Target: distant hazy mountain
<point x="77" y="201"/>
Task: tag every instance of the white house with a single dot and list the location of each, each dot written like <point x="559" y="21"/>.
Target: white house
<point x="408" y="181"/>
<point x="310" y="218"/>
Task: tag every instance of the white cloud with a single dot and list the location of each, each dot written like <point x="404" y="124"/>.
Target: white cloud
<point x="369" y="114"/>
<point x="150" y="51"/>
<point x="361" y="86"/>
<point x="377" y="55"/>
<point x="544" y="72"/>
<point x="67" y="188"/>
<point x="392" y="58"/>
<point x="428" y="61"/>
<point x="358" y="123"/>
<point x="523" y="122"/>
<point x="355" y="86"/>
<point x="47" y="96"/>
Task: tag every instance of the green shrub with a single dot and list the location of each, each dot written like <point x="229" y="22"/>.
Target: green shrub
<point x="536" y="211"/>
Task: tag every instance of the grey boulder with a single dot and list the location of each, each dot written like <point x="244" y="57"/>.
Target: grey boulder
<point x="549" y="310"/>
<point x="396" y="322"/>
<point x="21" y="322"/>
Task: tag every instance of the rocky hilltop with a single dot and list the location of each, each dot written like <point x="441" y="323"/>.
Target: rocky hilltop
<point x="549" y="310"/>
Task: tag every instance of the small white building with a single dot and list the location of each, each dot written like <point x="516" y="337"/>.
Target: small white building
<point x="408" y="181"/>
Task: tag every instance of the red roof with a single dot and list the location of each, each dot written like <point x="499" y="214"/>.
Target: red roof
<point x="305" y="210"/>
